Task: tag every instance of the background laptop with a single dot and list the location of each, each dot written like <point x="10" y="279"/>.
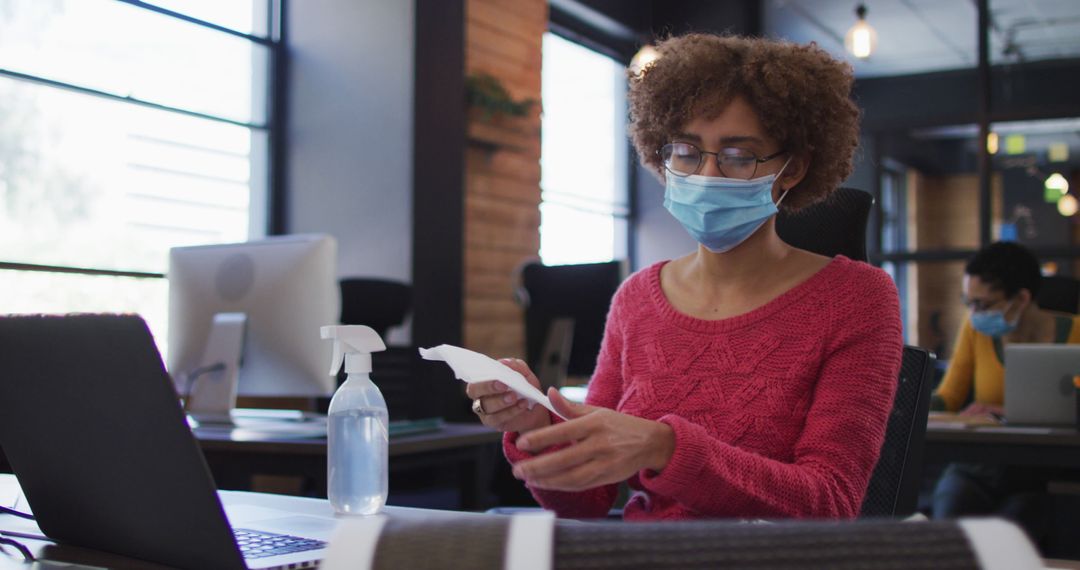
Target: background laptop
<point x="1038" y="383"/>
<point x="93" y="428"/>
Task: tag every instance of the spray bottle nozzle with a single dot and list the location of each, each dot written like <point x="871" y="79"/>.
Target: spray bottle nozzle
<point x="353" y="344"/>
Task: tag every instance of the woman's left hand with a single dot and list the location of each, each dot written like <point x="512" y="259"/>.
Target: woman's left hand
<point x="606" y="447"/>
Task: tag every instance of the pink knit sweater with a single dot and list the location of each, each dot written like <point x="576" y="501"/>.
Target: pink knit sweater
<point x="779" y="412"/>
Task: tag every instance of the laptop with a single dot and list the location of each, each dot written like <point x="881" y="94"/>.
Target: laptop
<point x="93" y="429"/>
<point x="1039" y="384"/>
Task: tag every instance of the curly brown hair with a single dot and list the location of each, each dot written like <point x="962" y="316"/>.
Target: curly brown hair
<point x="800" y="92"/>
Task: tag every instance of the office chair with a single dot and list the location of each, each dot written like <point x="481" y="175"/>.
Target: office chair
<point x="565" y="310"/>
<point x="381" y="304"/>
<point x="834" y="226"/>
<point x="894" y="484"/>
<point x="377" y="303"/>
<point x="1059" y="293"/>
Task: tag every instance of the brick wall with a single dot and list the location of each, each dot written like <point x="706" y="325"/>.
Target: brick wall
<point x="943" y="213"/>
<point x="503" y="39"/>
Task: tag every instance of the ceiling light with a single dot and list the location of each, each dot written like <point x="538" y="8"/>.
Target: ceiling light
<point x="861" y="39"/>
<point x="646" y="55"/>
<point x="1057" y="152"/>
<point x="1057" y="182"/>
<point x="1068" y="205"/>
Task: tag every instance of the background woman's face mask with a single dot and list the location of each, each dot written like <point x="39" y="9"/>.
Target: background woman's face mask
<point x="993" y="322"/>
<point x="721" y="213"/>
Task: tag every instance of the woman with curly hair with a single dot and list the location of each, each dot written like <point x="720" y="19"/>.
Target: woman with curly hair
<point x="748" y="378"/>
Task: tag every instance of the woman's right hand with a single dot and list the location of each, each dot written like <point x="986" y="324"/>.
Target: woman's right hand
<point x="977" y="409"/>
<point x="503" y="408"/>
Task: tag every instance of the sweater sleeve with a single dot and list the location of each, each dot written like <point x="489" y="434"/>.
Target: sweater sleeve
<point x="840" y="442"/>
<point x="605" y="388"/>
<point x="956" y="385"/>
<point x="1074" y="332"/>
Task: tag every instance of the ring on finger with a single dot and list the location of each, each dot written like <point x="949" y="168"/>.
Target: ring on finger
<point x="478" y="407"/>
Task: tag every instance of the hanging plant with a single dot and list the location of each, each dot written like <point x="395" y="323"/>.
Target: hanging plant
<point x="486" y="93"/>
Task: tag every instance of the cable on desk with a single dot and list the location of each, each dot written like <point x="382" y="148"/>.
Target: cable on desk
<point x="25" y="535"/>
<point x="13" y="512"/>
<point x="190" y="378"/>
<point x="27" y="556"/>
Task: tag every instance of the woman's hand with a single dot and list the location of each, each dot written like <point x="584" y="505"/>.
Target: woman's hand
<point x="505" y="410"/>
<point x="607" y="447"/>
<point x="976" y="409"/>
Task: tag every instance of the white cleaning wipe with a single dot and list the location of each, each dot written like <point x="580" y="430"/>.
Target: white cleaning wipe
<point x="474" y="367"/>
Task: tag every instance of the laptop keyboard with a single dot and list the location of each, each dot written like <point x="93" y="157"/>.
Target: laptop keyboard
<point x="260" y="544"/>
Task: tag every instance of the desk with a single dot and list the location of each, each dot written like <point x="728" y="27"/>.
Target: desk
<point x="1035" y="447"/>
<point x="471" y="447"/>
<point x="10" y="560"/>
<point x="87" y="558"/>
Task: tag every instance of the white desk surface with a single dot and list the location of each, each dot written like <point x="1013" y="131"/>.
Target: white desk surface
<point x="11" y="497"/>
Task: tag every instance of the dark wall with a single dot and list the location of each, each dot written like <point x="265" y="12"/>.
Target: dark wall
<point x="934" y="157"/>
<point x="1025" y="190"/>
<point x="736" y="17"/>
<point x="1031" y="91"/>
<point x="620" y="27"/>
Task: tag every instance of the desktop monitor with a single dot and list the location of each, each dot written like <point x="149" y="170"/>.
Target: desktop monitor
<point x="287" y="288"/>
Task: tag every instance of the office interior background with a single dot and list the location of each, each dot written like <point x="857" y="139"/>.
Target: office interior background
<point x="445" y="143"/>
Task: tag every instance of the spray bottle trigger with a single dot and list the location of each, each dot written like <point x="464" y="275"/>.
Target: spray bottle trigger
<point x="337" y="358"/>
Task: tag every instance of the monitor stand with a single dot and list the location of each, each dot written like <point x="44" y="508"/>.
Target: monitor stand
<point x="211" y="387"/>
<point x="555" y="357"/>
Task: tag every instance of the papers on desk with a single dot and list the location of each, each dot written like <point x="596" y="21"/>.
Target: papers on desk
<point x="253" y="429"/>
<point x="980" y="423"/>
<point x="311" y="426"/>
<point x="950" y="420"/>
<point x="1016" y="429"/>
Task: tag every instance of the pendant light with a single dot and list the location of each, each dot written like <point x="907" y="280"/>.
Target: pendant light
<point x="861" y="39"/>
<point x="644" y="56"/>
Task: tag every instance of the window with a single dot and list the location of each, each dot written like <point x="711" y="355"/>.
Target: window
<point x="584" y="156"/>
<point x="126" y="129"/>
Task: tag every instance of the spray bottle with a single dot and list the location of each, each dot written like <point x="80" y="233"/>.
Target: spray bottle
<point x="357" y="436"/>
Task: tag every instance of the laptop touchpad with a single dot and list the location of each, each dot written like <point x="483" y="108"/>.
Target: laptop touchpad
<point x="285" y="522"/>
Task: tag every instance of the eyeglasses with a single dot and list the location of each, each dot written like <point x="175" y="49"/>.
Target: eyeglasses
<point x="979" y="305"/>
<point x="684" y="159"/>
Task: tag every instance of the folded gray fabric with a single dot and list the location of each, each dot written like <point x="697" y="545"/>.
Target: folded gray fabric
<point x="686" y="545"/>
<point x="540" y="543"/>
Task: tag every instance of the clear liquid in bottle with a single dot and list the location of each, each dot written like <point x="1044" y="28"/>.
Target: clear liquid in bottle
<point x="357" y="441"/>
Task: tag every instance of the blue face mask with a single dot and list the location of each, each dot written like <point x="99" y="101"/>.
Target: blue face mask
<point x="721" y="213"/>
<point x="992" y="323"/>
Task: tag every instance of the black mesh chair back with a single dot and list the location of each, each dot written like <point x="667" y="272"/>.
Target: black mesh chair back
<point x="377" y="303"/>
<point x="894" y="485"/>
<point x="832" y="227"/>
<point x="381" y="304"/>
<point x="580" y="292"/>
<point x="1059" y="293"/>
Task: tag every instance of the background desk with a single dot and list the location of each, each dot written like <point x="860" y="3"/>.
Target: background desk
<point x="1050" y="447"/>
<point x="470" y="448"/>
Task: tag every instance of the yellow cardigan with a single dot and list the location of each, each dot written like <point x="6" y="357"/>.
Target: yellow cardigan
<point x="977" y="359"/>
